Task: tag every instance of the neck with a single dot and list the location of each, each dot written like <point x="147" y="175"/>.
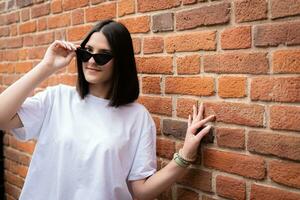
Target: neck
<point x="99" y="90"/>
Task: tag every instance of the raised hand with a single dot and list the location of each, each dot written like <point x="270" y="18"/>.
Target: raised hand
<point x="193" y="135"/>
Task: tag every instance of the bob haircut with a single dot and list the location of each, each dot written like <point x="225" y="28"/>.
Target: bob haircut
<point x="125" y="85"/>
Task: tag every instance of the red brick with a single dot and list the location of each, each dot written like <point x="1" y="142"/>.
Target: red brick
<point x="285" y="117"/>
<point x="28" y="27"/>
<point x="42" y="24"/>
<point x="174" y="128"/>
<point x="43" y="38"/>
<point x="203" y="16"/>
<point x="126" y="7"/>
<point x="185" y="107"/>
<point x="157" y="105"/>
<point x="25" y="14"/>
<point x="149" y="5"/>
<point x="22" y="4"/>
<point x="236" y="113"/>
<point x="36" y="52"/>
<point x="13" y="179"/>
<point x="56" y="6"/>
<point x="23" y="67"/>
<point x="199" y="86"/>
<point x="204" y="40"/>
<point x="281" y="89"/>
<point x="11" y="55"/>
<point x="231" y="137"/>
<point x="232" y="86"/>
<point x="286" y="173"/>
<point x="236" y="38"/>
<point x="77" y="17"/>
<point x="207" y="198"/>
<point x="70" y="4"/>
<point x="284" y="8"/>
<point x="136" y="42"/>
<point x="157" y="124"/>
<point x="28" y="41"/>
<point x="137" y="24"/>
<point x="4" y="31"/>
<point x="162" y="22"/>
<point x="286" y="61"/>
<point x="188" y="64"/>
<point x="23" y="54"/>
<point x="274" y="144"/>
<point x="155" y="64"/>
<point x="231" y="188"/>
<point x="259" y="192"/>
<point x="101" y="12"/>
<point x="153" y="45"/>
<point x="12" y="17"/>
<point x="244" y="165"/>
<point x="165" y="148"/>
<point x="187" y="2"/>
<point x="286" y="33"/>
<point x="78" y="33"/>
<point x="199" y="179"/>
<point x="12" y="190"/>
<point x="151" y="85"/>
<point x="40" y="10"/>
<point x="186" y="194"/>
<point x="14" y="42"/>
<point x="97" y="1"/>
<point x="252" y="63"/>
<point x="58" y="21"/>
<point x="250" y="10"/>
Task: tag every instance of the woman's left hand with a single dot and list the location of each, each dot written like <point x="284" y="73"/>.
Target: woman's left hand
<point x="193" y="138"/>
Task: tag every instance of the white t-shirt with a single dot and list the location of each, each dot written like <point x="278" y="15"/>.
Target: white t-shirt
<point x="85" y="149"/>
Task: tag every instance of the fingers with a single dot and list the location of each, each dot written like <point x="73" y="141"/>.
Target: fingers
<point x="189" y="121"/>
<point x="194" y="112"/>
<point x="203" y="132"/>
<point x="199" y="124"/>
<point x="64" y="44"/>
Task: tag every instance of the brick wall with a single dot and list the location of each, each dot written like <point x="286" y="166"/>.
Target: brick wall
<point x="241" y="58"/>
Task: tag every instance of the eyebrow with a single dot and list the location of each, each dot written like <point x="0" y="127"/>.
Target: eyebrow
<point x="100" y="50"/>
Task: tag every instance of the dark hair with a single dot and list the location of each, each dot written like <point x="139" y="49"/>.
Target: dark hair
<point x="125" y="85"/>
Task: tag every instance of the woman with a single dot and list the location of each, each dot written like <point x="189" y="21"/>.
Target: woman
<point x="93" y="141"/>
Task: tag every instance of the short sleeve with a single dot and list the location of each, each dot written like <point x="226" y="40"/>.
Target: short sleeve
<point x="32" y="114"/>
<point x="145" y="164"/>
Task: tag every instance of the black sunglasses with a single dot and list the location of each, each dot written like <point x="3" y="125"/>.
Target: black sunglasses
<point x="100" y="58"/>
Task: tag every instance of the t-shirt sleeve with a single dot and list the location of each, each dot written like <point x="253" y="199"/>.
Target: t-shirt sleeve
<point x="32" y="114"/>
<point x="144" y="164"/>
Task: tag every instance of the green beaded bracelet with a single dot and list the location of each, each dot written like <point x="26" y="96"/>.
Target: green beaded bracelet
<point x="180" y="161"/>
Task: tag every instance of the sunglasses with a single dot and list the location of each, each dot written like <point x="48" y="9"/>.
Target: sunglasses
<point x="100" y="58"/>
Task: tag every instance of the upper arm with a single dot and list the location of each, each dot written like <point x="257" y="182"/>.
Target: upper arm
<point x="15" y="122"/>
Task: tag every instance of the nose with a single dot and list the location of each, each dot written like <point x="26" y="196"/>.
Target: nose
<point x="91" y="60"/>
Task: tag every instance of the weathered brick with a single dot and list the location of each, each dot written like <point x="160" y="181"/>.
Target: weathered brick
<point x="187" y="2"/>
<point x="97" y="1"/>
<point x="137" y="24"/>
<point x="153" y="45"/>
<point x="77" y="33"/>
<point x="188" y="64"/>
<point x="286" y="33"/>
<point x="200" y="86"/>
<point x="231" y="188"/>
<point x="43" y="38"/>
<point x="252" y="63"/>
<point x="4" y="31"/>
<point x="23" y="67"/>
<point x="150" y="5"/>
<point x="36" y="52"/>
<point x="236" y="38"/>
<point x="250" y="10"/>
<point x="175" y="128"/>
<point x="14" y="42"/>
<point x="157" y="105"/>
<point x="286" y="173"/>
<point x="232" y="87"/>
<point x="56" y="6"/>
<point x="185" y="107"/>
<point x="77" y="17"/>
<point x="126" y="7"/>
<point x="101" y="12"/>
<point x="136" y="42"/>
<point x="244" y="165"/>
<point x="28" y="27"/>
<point x="207" y="198"/>
<point x="162" y="22"/>
<point x="259" y="192"/>
<point x="151" y="85"/>
<point x="58" y="21"/>
<point x="70" y="4"/>
<point x="204" y="40"/>
<point x="12" y="18"/>
<point x="203" y="16"/>
<point x="281" y="89"/>
<point x="42" y="24"/>
<point x="25" y="14"/>
<point x="231" y="137"/>
<point x="236" y="113"/>
<point x="28" y="41"/>
<point x="23" y="3"/>
<point x="155" y="64"/>
<point x="12" y="190"/>
<point x="286" y="61"/>
<point x="40" y="10"/>
<point x="284" y="8"/>
<point x="165" y="148"/>
<point x="186" y="194"/>
<point x="285" y="117"/>
<point x="198" y="178"/>
<point x="274" y="144"/>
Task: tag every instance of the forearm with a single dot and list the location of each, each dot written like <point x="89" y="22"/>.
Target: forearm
<point x="12" y="98"/>
<point x="162" y="180"/>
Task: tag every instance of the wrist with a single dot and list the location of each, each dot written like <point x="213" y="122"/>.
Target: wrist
<point x="189" y="158"/>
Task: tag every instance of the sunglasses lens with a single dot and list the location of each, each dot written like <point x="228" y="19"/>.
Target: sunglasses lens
<point x="102" y="59"/>
<point x="83" y="55"/>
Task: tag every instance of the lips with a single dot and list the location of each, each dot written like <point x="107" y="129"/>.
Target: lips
<point x="94" y="69"/>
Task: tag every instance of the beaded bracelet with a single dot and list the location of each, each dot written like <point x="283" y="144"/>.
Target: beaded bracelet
<point x="185" y="158"/>
<point x="180" y="161"/>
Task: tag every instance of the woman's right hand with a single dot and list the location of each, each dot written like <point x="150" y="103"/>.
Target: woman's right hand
<point x="59" y="54"/>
